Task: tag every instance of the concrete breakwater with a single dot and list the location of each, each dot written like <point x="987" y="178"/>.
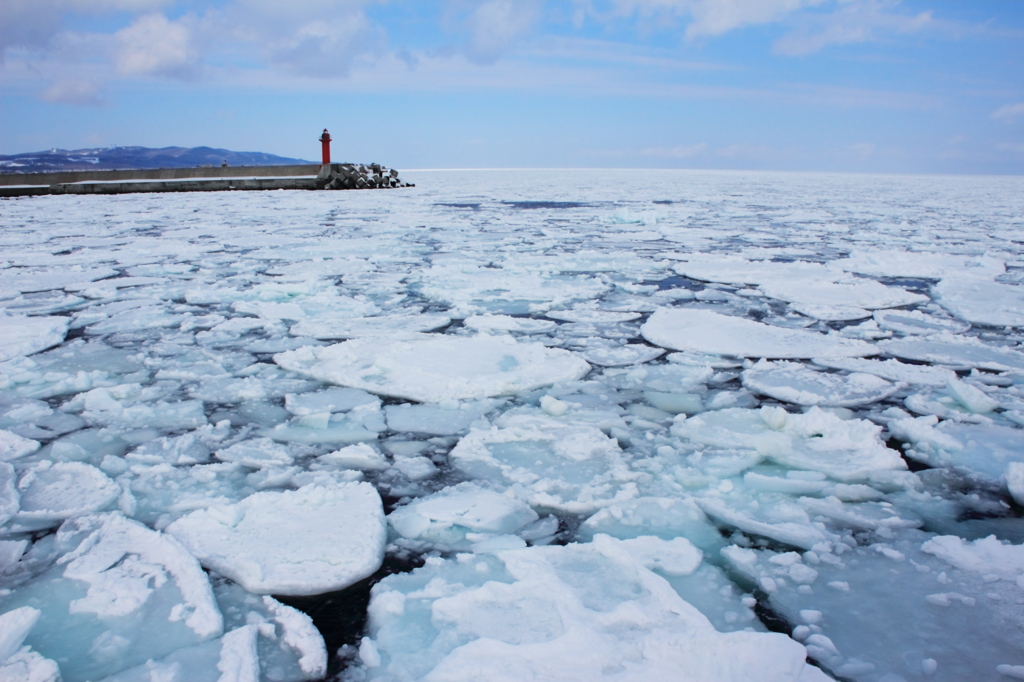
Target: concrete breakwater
<point x="224" y="178"/>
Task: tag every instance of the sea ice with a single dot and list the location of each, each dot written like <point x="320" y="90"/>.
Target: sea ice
<point x="429" y="368"/>
<point x="324" y="538"/>
<point x="459" y="517"/>
<point x="571" y="613"/>
<point x="917" y="322"/>
<point x="846" y="450"/>
<point x="51" y="492"/>
<point x="548" y="463"/>
<point x="705" y="331"/>
<point x="862" y="294"/>
<point x="981" y="301"/>
<point x="21" y="335"/>
<point x="118" y="595"/>
<point x="734" y="270"/>
<point x="955" y="351"/>
<point x="794" y="383"/>
<point x="344" y="327"/>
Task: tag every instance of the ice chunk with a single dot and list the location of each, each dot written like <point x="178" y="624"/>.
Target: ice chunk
<point x="360" y="456"/>
<point x="328" y="400"/>
<point x="926" y="265"/>
<point x="445" y="419"/>
<point x="18" y="664"/>
<point x="13" y="446"/>
<point x="1015" y="481"/>
<point x="986" y="556"/>
<point x="590" y="316"/>
<point x="984" y="449"/>
<point x="893" y="370"/>
<point x="831" y="312"/>
<point x="845" y="450"/>
<point x="735" y="270"/>
<point x="14" y="628"/>
<point x="794" y="383"/>
<point x="957" y="351"/>
<point x="231" y="658"/>
<point x="576" y="612"/>
<point x="709" y="332"/>
<point x="916" y="322"/>
<point x="507" y="323"/>
<point x="875" y="597"/>
<point x="861" y="293"/>
<point x="162" y="493"/>
<point x="460" y="516"/>
<point x="356" y="327"/>
<point x="21" y="335"/>
<point x="437" y="368"/>
<point x="51" y="492"/>
<point x="119" y="594"/>
<point x="981" y="301"/>
<point x="621" y="356"/>
<point x="324" y="538"/>
<point x="663" y="517"/>
<point x="256" y="453"/>
<point x="552" y="464"/>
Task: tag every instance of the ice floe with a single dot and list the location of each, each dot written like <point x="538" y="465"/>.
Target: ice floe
<point x="980" y="301"/>
<point x="794" y="383"/>
<point x="325" y="538"/>
<point x="577" y="612"/>
<point x="436" y="368"/>
<point x="705" y="331"/>
<point x="21" y="335"/>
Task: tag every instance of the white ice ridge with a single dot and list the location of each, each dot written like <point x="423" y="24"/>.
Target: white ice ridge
<point x="21" y="335"/>
<point x="323" y="538"/>
<point x="710" y="332"/>
<point x="580" y="612"/>
<point x="433" y="368"/>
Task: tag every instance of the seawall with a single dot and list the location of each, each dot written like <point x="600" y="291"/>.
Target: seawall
<point x="305" y="176"/>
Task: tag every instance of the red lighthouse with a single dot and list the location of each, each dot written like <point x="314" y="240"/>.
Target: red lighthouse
<point x="325" y="143"/>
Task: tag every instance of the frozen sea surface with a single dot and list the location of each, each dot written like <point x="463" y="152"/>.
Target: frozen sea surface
<point x="516" y="425"/>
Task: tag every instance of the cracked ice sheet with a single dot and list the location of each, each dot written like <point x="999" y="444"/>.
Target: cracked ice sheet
<point x="571" y="613"/>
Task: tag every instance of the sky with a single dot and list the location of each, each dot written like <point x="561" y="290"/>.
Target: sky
<point x="880" y="86"/>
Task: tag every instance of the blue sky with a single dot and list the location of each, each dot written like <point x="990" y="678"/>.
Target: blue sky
<point x="911" y="86"/>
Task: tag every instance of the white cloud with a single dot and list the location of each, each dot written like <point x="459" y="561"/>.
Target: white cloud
<point x="75" y="92"/>
<point x="495" y="25"/>
<point x="33" y="23"/>
<point x="858" y="21"/>
<point x="153" y="45"/>
<point x="717" y="17"/>
<point x="679" y="152"/>
<point x="1009" y="111"/>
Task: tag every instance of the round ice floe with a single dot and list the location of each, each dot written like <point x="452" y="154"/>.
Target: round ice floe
<point x="816" y="440"/>
<point x="831" y="313"/>
<point x="896" y="263"/>
<point x="794" y="383"/>
<point x="299" y="542"/>
<point x="731" y="270"/>
<point x="916" y="322"/>
<point x="21" y="335"/>
<point x="956" y="351"/>
<point x="9" y="498"/>
<point x="51" y="492"/>
<point x="461" y="516"/>
<point x="563" y="613"/>
<point x="893" y="370"/>
<point x="549" y="463"/>
<point x="322" y="327"/>
<point x="507" y="323"/>
<point x="256" y="453"/>
<point x="621" y="356"/>
<point x="709" y="332"/>
<point x="436" y="368"/>
<point x="861" y="294"/>
<point x="13" y="446"/>
<point x="588" y="316"/>
<point x="982" y="301"/>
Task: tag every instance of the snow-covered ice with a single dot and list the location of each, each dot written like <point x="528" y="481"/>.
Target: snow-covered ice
<point x="549" y="427"/>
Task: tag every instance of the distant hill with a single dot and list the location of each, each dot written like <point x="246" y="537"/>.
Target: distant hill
<point x="123" y="158"/>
